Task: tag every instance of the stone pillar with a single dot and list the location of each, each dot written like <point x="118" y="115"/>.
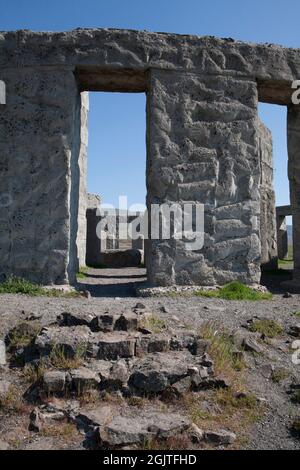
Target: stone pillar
<point x="268" y="236"/>
<point x="39" y="147"/>
<point x="293" y="133"/>
<point x="93" y="243"/>
<point x="82" y="164"/>
<point x="282" y="237"/>
<point x="202" y="148"/>
<point x="138" y="244"/>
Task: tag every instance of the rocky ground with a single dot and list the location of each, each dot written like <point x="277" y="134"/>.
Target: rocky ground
<point x="112" y="370"/>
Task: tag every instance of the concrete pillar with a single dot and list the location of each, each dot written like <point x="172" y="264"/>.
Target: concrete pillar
<point x="293" y="127"/>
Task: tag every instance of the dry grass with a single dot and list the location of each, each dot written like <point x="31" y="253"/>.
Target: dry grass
<point x="266" y="327"/>
<point x="153" y="323"/>
<point x="60" y="360"/>
<point x="222" y="350"/>
<point x="33" y="374"/>
<point x="280" y="374"/>
<point x="231" y="408"/>
<point x="227" y="411"/>
<point x="22" y="335"/>
<point x="66" y="431"/>
<point x="13" y="401"/>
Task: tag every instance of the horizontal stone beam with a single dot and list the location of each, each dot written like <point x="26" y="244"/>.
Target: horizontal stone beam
<point x="283" y="211"/>
<point x="141" y="50"/>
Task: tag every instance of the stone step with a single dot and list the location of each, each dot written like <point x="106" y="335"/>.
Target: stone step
<point x="106" y="322"/>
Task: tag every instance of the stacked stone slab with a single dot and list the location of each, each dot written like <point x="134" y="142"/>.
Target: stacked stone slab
<point x="202" y="144"/>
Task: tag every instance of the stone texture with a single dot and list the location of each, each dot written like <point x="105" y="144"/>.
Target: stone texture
<point x="54" y="381"/>
<point x="4" y="389"/>
<point x="268" y="233"/>
<point x="2" y="353"/>
<point x="159" y="371"/>
<point x="81" y="241"/>
<point x="193" y="160"/>
<point x="83" y="379"/>
<point x="293" y="119"/>
<point x="140" y="428"/>
<point x="115" y="345"/>
<point x="221" y="437"/>
<point x="67" y="339"/>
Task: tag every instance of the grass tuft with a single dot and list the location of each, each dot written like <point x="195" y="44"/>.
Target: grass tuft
<point x="82" y="273"/>
<point x="22" y="335"/>
<point x="279" y="374"/>
<point x="16" y="285"/>
<point x="153" y="323"/>
<point x="221" y="349"/>
<point x="235" y="291"/>
<point x="269" y="328"/>
<point x="60" y="360"/>
<point x="12" y="401"/>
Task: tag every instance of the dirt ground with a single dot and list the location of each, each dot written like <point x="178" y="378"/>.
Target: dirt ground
<point x="114" y="290"/>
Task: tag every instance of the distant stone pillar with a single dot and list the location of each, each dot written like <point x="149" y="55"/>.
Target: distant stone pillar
<point x="93" y="243"/>
<point x="268" y="236"/>
<point x="294" y="179"/>
<point x="138" y="244"/>
<point x="282" y="237"/>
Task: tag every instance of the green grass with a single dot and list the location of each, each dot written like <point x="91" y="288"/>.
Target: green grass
<point x="235" y="291"/>
<point x="16" y="285"/>
<point x="269" y="328"/>
<point x="82" y="273"/>
<point x="285" y="263"/>
<point x="297" y="314"/>
<point x="221" y="349"/>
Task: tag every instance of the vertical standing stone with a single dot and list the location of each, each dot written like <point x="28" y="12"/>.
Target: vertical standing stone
<point x="282" y="234"/>
<point x="294" y="179"/>
<point x="82" y="163"/>
<point x="268" y="236"/>
<point x="39" y="147"/>
<point x="202" y="148"/>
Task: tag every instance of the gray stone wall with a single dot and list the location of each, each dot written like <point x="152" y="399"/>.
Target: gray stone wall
<point x="268" y="236"/>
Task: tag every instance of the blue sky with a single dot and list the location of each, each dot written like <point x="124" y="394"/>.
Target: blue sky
<point x="117" y="121"/>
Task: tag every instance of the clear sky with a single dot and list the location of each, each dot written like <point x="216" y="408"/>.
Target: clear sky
<point x="117" y="121"/>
